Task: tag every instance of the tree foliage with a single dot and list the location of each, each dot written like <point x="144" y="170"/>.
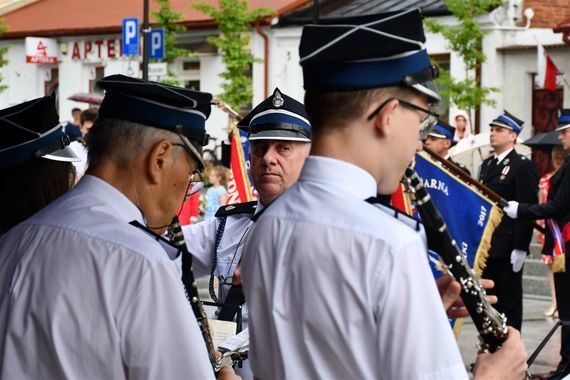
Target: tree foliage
<point x="3" y="52"/>
<point x="234" y="24"/>
<point x="465" y="39"/>
<point x="167" y="19"/>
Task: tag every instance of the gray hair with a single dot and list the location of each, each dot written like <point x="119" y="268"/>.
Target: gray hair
<point x="121" y="141"/>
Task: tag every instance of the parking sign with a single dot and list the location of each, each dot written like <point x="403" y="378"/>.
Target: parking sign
<point x="131" y="36"/>
<point x="156" y="45"/>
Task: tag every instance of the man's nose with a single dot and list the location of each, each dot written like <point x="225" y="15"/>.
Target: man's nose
<point x="270" y="155"/>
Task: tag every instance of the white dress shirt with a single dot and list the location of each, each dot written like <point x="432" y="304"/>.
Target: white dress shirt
<point x="340" y="289"/>
<point x="85" y="295"/>
<point x="201" y="241"/>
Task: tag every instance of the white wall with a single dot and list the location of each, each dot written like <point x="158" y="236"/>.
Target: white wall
<point x="284" y="69"/>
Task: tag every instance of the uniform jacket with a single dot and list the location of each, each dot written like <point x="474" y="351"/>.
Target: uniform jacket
<point x="459" y="165"/>
<point x="557" y="206"/>
<point x="515" y="178"/>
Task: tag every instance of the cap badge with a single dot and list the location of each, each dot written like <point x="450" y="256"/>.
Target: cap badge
<point x="277" y="99"/>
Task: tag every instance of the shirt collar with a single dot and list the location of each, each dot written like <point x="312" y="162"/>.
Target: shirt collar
<point x="502" y="156"/>
<point x="122" y="206"/>
<point x="259" y="207"/>
<point x="349" y="178"/>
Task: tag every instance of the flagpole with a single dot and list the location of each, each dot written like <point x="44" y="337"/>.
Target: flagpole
<point x="456" y="170"/>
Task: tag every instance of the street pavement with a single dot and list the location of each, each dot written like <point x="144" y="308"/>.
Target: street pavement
<point x="534" y="328"/>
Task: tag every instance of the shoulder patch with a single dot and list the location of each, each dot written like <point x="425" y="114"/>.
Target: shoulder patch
<point x="238" y="208"/>
<point x="401" y="216"/>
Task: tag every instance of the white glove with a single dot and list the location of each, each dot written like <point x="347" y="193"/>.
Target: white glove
<point x="512" y="209"/>
<point x="517" y="259"/>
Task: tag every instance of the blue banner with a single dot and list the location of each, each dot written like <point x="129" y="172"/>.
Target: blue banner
<point x="470" y="216"/>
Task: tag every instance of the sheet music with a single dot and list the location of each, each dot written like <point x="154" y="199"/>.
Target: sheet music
<point x="221" y="330"/>
<point x="239" y="343"/>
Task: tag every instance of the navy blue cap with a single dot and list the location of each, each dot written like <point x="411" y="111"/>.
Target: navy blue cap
<point x="563" y="120"/>
<point x="508" y="121"/>
<point x="32" y="130"/>
<point x="279" y="117"/>
<point x="442" y="130"/>
<point x="158" y="105"/>
<point x="368" y="52"/>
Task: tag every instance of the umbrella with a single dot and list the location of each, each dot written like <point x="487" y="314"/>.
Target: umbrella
<point x="473" y="149"/>
<point x="543" y="141"/>
<point x="91" y="98"/>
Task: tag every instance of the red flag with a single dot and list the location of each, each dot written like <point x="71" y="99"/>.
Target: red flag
<point x="546" y="69"/>
<point x="239" y="188"/>
<point x="401" y="201"/>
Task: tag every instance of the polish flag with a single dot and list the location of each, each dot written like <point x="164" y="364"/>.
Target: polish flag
<point x="546" y="70"/>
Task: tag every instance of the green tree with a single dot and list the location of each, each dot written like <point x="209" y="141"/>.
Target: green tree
<point x="3" y="52"/>
<point x="234" y="23"/>
<point x="465" y="39"/>
<point x="167" y="19"/>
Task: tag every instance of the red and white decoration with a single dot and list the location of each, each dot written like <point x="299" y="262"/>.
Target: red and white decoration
<point x="547" y="70"/>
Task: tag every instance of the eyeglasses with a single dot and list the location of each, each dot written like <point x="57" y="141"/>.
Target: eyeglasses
<point x="195" y="183"/>
<point x="427" y="122"/>
<point x="195" y="179"/>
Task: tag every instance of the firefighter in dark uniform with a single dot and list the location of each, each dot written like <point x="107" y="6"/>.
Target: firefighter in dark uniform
<point x="513" y="177"/>
<point x="557" y="208"/>
<point x="440" y="139"/>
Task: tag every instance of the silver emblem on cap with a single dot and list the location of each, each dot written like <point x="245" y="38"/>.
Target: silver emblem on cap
<point x="277" y="99"/>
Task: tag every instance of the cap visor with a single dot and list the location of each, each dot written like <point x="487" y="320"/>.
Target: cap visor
<point x="63" y="155"/>
<point x="437" y="135"/>
<point x="562" y="127"/>
<point x="273" y="134"/>
<point x="430" y="89"/>
<point x="501" y="125"/>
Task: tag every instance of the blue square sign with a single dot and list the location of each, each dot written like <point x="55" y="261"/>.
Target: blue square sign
<point x="156" y="44"/>
<point x="131" y="36"/>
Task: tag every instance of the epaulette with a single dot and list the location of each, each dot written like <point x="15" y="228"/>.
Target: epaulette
<point x="238" y="208"/>
<point x="401" y="216"/>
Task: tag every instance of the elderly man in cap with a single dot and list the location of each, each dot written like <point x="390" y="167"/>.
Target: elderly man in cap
<point x="338" y="287"/>
<point x="440" y="139"/>
<point x="513" y="177"/>
<point x="556" y="208"/>
<point x="280" y="138"/>
<point x="87" y="290"/>
<point x="35" y="160"/>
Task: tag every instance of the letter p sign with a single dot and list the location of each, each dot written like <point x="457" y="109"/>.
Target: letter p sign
<point x="156" y="44"/>
<point x="131" y="36"/>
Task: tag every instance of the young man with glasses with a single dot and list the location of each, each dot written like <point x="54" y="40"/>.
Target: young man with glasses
<point x="86" y="290"/>
<point x="338" y="287"/>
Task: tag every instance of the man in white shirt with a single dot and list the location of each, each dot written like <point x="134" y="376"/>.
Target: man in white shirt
<point x="338" y="287"/>
<point x="86" y="291"/>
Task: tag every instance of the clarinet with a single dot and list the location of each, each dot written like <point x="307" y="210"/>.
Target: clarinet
<point x="491" y="325"/>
